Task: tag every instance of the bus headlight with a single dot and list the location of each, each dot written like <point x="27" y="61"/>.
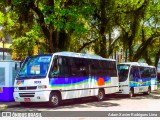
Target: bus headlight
<point x="42" y="87"/>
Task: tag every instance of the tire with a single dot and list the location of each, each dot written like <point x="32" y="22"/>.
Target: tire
<point x="101" y="95"/>
<point x="131" y="93"/>
<point x="148" y="91"/>
<point x="54" y="100"/>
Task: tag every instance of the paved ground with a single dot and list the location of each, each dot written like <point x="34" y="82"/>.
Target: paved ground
<point x="4" y="105"/>
<point x="111" y="103"/>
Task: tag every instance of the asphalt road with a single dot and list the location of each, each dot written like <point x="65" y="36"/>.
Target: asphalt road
<point x="111" y="103"/>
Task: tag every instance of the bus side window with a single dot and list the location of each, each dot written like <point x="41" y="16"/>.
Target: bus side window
<point x="134" y="73"/>
<point x="64" y="67"/>
<point x="145" y="72"/>
<point x="80" y="63"/>
<point x="84" y="67"/>
<point x="54" y="68"/>
<point x="153" y="72"/>
<point x="87" y="64"/>
<point x="95" y="68"/>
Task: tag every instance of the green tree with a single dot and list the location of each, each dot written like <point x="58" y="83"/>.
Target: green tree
<point x="24" y="46"/>
<point x="77" y="25"/>
<point x="57" y="19"/>
<point x="150" y="33"/>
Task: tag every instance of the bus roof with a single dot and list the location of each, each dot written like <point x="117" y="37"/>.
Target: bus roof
<point x="136" y="64"/>
<point x="152" y="66"/>
<point x="82" y="55"/>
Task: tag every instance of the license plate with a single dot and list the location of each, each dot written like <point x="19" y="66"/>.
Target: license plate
<point x="27" y="99"/>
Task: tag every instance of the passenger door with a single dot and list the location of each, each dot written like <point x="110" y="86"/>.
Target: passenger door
<point x="135" y="80"/>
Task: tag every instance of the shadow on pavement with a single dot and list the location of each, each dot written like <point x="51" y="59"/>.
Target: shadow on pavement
<point x="153" y="95"/>
<point x="73" y="103"/>
<point x="88" y="102"/>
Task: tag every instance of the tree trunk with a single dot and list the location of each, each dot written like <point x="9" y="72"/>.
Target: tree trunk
<point x="64" y="41"/>
<point x="130" y="50"/>
<point x="110" y="50"/>
<point x="103" y="49"/>
<point x="126" y="55"/>
<point x="147" y="58"/>
<point x="142" y="48"/>
<point x="157" y="57"/>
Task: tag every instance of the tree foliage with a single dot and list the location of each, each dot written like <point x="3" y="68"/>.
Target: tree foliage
<point x="77" y="25"/>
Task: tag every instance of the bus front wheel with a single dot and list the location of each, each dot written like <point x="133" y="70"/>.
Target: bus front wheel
<point x="54" y="100"/>
<point x="131" y="93"/>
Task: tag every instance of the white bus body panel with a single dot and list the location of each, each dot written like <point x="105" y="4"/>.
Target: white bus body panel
<point x="154" y="84"/>
<point x="42" y="93"/>
<point x="124" y="87"/>
<point x="77" y="91"/>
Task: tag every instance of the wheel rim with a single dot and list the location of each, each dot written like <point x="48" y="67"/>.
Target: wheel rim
<point x="54" y="100"/>
<point x="100" y="95"/>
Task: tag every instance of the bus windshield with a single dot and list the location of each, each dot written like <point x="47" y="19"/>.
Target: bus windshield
<point x="35" y="67"/>
<point x="123" y="72"/>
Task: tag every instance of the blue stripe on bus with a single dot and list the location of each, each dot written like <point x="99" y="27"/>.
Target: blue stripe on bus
<point x="75" y="80"/>
<point x="145" y="82"/>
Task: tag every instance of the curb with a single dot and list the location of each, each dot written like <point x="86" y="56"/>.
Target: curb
<point x="3" y="106"/>
<point x="8" y="105"/>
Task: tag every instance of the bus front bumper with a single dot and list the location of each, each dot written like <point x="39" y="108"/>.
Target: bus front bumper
<point x="35" y="96"/>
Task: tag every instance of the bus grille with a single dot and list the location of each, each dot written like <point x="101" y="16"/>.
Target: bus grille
<point x="28" y="88"/>
<point x="26" y="94"/>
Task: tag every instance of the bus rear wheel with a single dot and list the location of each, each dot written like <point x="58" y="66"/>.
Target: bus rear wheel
<point x="54" y="100"/>
<point x="101" y="95"/>
<point x="148" y="91"/>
